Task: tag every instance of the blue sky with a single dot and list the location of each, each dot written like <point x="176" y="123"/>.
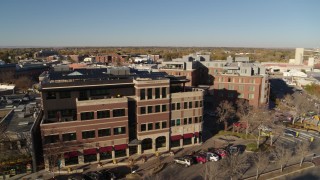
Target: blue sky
<point x="224" y="23"/>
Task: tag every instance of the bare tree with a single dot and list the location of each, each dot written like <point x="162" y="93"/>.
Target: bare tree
<point x="23" y="83"/>
<point x="243" y="112"/>
<point x="225" y="111"/>
<point x="259" y="159"/>
<point x="213" y="171"/>
<point x="235" y="165"/>
<point x="282" y="155"/>
<point x="303" y="148"/>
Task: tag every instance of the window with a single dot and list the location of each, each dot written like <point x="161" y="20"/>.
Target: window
<point x="87" y="115"/>
<point x="104" y="132"/>
<point x="51" y="139"/>
<point x="173" y="106"/>
<point x="99" y="92"/>
<point x="69" y="137"/>
<point x="157" y="125"/>
<point x="252" y="81"/>
<point x="240" y="80"/>
<point x="251" y="88"/>
<point x="157" y="93"/>
<point x="178" y="123"/>
<point x="178" y="106"/>
<point x="200" y="103"/>
<point x="142" y="110"/>
<point x="231" y="87"/>
<point x="88" y="134"/>
<point x="149" y="93"/>
<point x="197" y="104"/>
<point x="119" y="130"/>
<point x="164" y="108"/>
<point x="200" y="118"/>
<point x="241" y="88"/>
<point x="103" y="114"/>
<point x="142" y="94"/>
<point x="157" y="108"/>
<point x="68" y="112"/>
<point x="190" y="121"/>
<point x="143" y="127"/>
<point x="164" y="124"/>
<point x="65" y="94"/>
<point x="164" y="92"/>
<point x="150" y="109"/>
<point x="221" y="86"/>
<point x="229" y="79"/>
<point x="185" y="105"/>
<point x="195" y="119"/>
<point x="150" y="126"/>
<point x="118" y="112"/>
<point x="185" y="121"/>
<point x="51" y="95"/>
<point x="251" y="96"/>
<point x="172" y="122"/>
<point x="52" y="114"/>
<point x="190" y="105"/>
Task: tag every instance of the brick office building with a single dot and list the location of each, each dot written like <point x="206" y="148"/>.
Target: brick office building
<point x="97" y="116"/>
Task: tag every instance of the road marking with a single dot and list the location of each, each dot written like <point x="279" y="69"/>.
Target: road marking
<point x="287" y="139"/>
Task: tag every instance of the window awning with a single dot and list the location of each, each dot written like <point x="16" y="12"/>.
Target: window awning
<point x="90" y="151"/>
<point x="105" y="149"/>
<point x="186" y="136"/>
<point x="71" y="154"/>
<point x="176" y="138"/>
<point x="196" y="134"/>
<point x="120" y="147"/>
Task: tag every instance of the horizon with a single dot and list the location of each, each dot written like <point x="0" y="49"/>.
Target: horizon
<point x="245" y="24"/>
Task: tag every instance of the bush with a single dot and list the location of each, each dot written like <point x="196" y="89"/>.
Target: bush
<point x="252" y="147"/>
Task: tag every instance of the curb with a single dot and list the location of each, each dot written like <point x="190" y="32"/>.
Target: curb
<point x="293" y="172"/>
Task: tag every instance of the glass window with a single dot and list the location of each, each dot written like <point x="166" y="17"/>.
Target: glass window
<point x="231" y="87"/>
<point x="150" y="109"/>
<point x="149" y="93"/>
<point x="157" y="108"/>
<point x="104" y="132"/>
<point x="99" y="92"/>
<point x="164" y="108"/>
<point x="185" y="121"/>
<point x="172" y="122"/>
<point x="87" y="115"/>
<point x="196" y="104"/>
<point x="190" y="121"/>
<point x="200" y="118"/>
<point x="185" y="105"/>
<point x="173" y="106"/>
<point x="103" y="114"/>
<point x="178" y="123"/>
<point x="195" y="119"/>
<point x="164" y="92"/>
<point x="178" y="106"/>
<point x="118" y="112"/>
<point x="143" y="127"/>
<point x="220" y="86"/>
<point x="51" y="95"/>
<point x="157" y="93"/>
<point x="190" y="105"/>
<point x="164" y="124"/>
<point x="150" y="126"/>
<point x="119" y="130"/>
<point x="53" y="114"/>
<point x="88" y="134"/>
<point x="142" y="110"/>
<point x="51" y="139"/>
<point x="65" y="94"/>
<point x="241" y="87"/>
<point x="200" y="103"/>
<point x="251" y="88"/>
<point x="157" y="125"/>
<point x="142" y="94"/>
<point x="69" y="137"/>
<point x="251" y="96"/>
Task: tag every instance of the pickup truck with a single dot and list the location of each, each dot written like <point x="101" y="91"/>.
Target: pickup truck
<point x="186" y="161"/>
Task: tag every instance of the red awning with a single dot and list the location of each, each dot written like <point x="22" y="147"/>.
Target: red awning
<point x="90" y="151"/>
<point x="105" y="149"/>
<point x="176" y="138"/>
<point x="120" y="147"/>
<point x="71" y="154"/>
<point x="186" y="136"/>
<point x="196" y="134"/>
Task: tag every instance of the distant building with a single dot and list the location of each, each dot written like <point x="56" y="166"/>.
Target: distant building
<point x="44" y="53"/>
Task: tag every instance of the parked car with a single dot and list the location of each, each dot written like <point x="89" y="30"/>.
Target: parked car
<point x="291" y="133"/>
<point x="221" y="152"/>
<point x="199" y="158"/>
<point x="210" y="156"/>
<point x="232" y="150"/>
<point x="185" y="160"/>
<point x="107" y="174"/>
<point x="95" y="175"/>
